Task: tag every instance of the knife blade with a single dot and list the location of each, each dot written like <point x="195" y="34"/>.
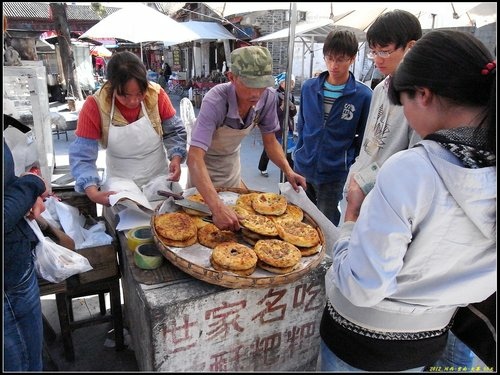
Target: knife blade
<point x="181" y="201"/>
<point x="193" y="205"/>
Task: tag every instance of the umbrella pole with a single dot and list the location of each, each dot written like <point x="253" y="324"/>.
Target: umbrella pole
<point x="291" y="42"/>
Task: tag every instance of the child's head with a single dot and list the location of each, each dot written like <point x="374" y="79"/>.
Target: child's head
<point x="281" y="80"/>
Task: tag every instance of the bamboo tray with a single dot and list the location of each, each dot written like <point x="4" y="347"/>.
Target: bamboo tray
<point x="195" y="259"/>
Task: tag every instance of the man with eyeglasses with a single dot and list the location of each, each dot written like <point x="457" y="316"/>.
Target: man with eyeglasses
<point x="333" y="113"/>
<point x="387" y="130"/>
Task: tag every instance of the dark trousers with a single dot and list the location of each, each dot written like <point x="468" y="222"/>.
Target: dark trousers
<point x="264" y="160"/>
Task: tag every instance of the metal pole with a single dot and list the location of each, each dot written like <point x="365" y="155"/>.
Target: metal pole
<point x="291" y="42"/>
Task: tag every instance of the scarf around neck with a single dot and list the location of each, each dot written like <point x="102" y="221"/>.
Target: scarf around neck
<point x="468" y="144"/>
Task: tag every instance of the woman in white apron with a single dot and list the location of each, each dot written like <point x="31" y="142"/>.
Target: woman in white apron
<point x="135" y="122"/>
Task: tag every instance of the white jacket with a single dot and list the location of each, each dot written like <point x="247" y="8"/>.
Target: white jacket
<point x="424" y="244"/>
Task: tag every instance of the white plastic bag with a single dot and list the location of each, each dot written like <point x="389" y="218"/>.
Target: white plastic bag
<point x="54" y="262"/>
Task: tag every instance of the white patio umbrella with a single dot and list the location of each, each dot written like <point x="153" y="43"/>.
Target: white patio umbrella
<point x="139" y="23"/>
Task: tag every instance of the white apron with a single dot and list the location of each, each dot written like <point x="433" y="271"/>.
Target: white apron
<point x="222" y="158"/>
<point x="135" y="151"/>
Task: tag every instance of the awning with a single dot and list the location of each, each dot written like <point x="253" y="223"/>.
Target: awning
<point x="205" y="31"/>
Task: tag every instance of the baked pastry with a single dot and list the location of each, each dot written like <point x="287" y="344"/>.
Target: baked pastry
<point x="246" y="272"/>
<point x="199" y="222"/>
<point x="259" y="224"/>
<point x="210" y="236"/>
<point x="234" y="256"/>
<point x="177" y="226"/>
<point x="242" y="211"/>
<point x="292" y="212"/>
<point x="269" y="204"/>
<point x="245" y="201"/>
<point x="308" y="251"/>
<point x="174" y="243"/>
<point x="298" y="233"/>
<point x="252" y="237"/>
<point x="277" y="253"/>
<point x="280" y="270"/>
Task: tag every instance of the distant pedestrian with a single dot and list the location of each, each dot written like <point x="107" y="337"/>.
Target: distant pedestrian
<point x="167" y="72"/>
<point x="292" y="111"/>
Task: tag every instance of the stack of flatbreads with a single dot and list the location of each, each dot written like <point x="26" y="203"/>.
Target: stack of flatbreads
<point x="176" y="229"/>
<point x="273" y="229"/>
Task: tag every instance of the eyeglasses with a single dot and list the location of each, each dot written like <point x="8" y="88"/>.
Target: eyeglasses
<point x="339" y="60"/>
<point x="383" y="54"/>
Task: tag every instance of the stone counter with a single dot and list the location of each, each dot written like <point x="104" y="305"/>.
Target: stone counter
<point x="186" y="324"/>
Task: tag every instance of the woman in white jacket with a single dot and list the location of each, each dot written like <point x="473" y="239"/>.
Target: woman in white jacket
<point x="424" y="243"/>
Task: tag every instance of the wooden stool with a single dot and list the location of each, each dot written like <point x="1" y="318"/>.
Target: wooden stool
<point x="65" y="311"/>
<point x="104" y="278"/>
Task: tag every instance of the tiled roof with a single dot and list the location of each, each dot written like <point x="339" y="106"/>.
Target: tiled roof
<point x="41" y="11"/>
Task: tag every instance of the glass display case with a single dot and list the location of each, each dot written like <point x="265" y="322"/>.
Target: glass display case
<point x="26" y="88"/>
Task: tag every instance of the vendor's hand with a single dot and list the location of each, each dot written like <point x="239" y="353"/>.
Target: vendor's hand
<point x="296" y="180"/>
<point x="36" y="210"/>
<point x="225" y="218"/>
<point x="100" y="197"/>
<point x="355" y="197"/>
<point x="174" y="169"/>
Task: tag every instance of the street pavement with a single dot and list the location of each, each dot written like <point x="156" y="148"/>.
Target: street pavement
<point x="93" y="345"/>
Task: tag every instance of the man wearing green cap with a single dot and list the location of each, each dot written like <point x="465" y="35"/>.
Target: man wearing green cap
<point x="228" y="113"/>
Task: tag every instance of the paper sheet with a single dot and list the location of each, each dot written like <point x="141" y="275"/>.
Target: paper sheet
<point x="330" y="231"/>
<point x="131" y="217"/>
<point x="133" y="205"/>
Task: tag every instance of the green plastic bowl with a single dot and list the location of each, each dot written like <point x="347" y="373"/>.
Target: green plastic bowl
<point x="147" y="256"/>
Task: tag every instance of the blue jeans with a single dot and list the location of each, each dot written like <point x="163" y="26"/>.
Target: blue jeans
<point x="456" y="357"/>
<point x="327" y="197"/>
<point x="328" y="361"/>
<point x="23" y="326"/>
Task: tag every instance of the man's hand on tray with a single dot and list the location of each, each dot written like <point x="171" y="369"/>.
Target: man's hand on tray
<point x="225" y="218"/>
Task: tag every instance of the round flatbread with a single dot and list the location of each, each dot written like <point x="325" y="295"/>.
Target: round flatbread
<point x="218" y="267"/>
<point x="245" y="201"/>
<point x="174" y="243"/>
<point x="242" y="211"/>
<point x="269" y="204"/>
<point x="199" y="222"/>
<point x="259" y="224"/>
<point x="277" y="253"/>
<point x="234" y="256"/>
<point x="210" y="236"/>
<point x="308" y="251"/>
<point x="177" y="226"/>
<point x="280" y="270"/>
<point x="292" y="212"/>
<point x="298" y="233"/>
